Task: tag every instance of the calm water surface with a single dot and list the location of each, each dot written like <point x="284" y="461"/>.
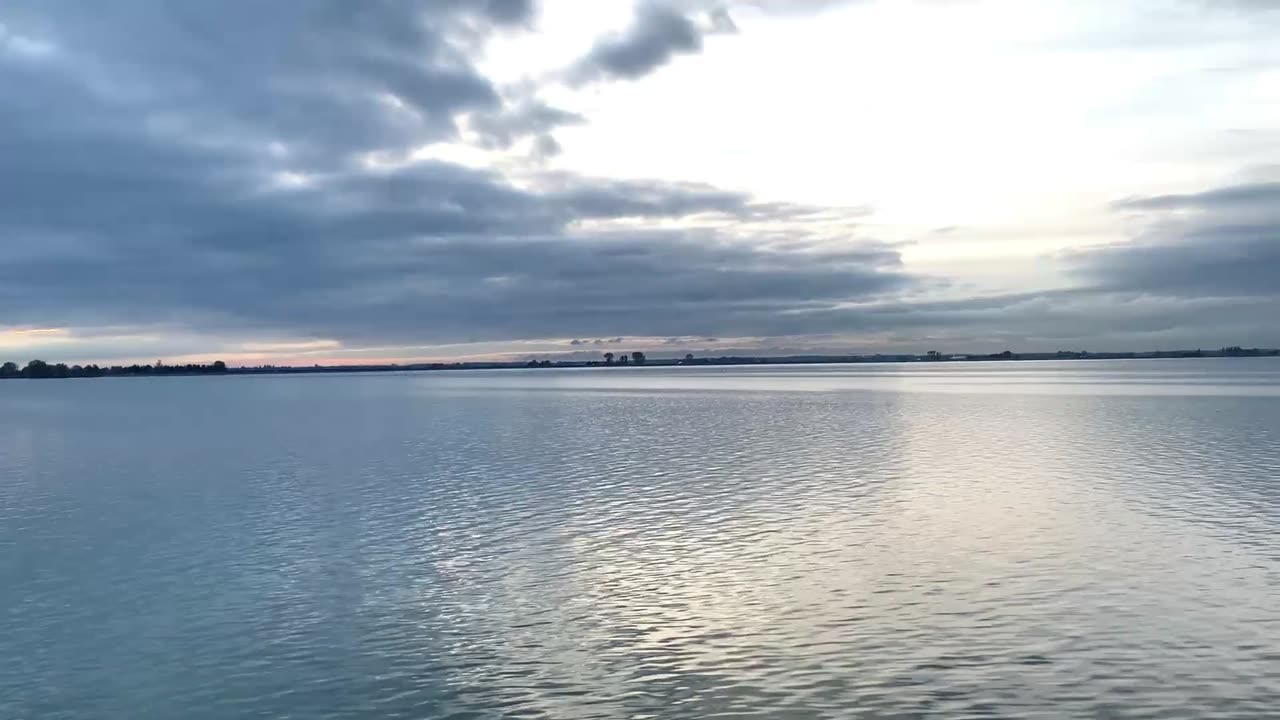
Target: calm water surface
<point x="1088" y="539"/>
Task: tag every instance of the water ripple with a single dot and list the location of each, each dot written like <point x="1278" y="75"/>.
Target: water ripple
<point x="757" y="543"/>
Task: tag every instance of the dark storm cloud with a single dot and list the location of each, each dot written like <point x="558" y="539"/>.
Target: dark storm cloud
<point x="658" y="33"/>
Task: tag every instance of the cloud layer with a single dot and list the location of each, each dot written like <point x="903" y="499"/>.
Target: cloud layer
<point x="155" y="175"/>
<point x="240" y="169"/>
<point x="1221" y="243"/>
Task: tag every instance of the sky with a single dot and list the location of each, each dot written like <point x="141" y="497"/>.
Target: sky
<point x="397" y="181"/>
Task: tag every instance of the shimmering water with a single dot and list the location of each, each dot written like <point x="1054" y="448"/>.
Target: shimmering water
<point x="1088" y="539"/>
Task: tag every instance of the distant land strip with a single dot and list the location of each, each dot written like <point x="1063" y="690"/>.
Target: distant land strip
<point x="40" y="370"/>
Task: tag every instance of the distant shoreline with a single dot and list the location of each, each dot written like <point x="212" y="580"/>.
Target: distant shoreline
<point x="41" y="371"/>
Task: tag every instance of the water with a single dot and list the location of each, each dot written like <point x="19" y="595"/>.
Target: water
<point x="1089" y="539"/>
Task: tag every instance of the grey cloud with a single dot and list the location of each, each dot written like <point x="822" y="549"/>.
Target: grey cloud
<point x="370" y="278"/>
<point x="1074" y="319"/>
<point x="557" y="286"/>
<point x="1218" y="261"/>
<point x="509" y="12"/>
<point x="601" y="198"/>
<point x="1264" y="195"/>
<point x="545" y="147"/>
<point x="1201" y="271"/>
<point x="721" y="22"/>
<point x="658" y="33"/>
<point x="315" y="77"/>
<point x="196" y="166"/>
<point x="624" y="198"/>
<point x="136" y="190"/>
<point x="686" y="341"/>
<point x="529" y="118"/>
<point x="1223" y="242"/>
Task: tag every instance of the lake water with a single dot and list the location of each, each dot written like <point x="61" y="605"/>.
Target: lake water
<point x="1077" y="539"/>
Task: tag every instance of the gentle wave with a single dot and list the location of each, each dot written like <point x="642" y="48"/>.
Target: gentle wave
<point x="636" y="543"/>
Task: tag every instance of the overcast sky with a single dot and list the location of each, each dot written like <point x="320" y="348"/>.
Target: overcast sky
<point x="336" y="181"/>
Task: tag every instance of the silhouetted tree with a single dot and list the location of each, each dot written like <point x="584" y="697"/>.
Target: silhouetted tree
<point x="608" y="358"/>
<point x="42" y="369"/>
<point x="36" y="369"/>
<point x="637" y="357"/>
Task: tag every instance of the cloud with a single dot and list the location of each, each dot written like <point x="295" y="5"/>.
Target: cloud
<point x="632" y="198"/>
<point x="202" y="171"/>
<point x="1262" y="195"/>
<point x="318" y="79"/>
<point x="545" y="147"/>
<point x="658" y="33"/>
<point x="509" y="12"/>
<point x="1199" y="272"/>
<point x="791" y="7"/>
<point x="721" y="22"/>
<point x="1244" y="5"/>
<point x="155" y="178"/>
<point x="1223" y="242"/>
<point x="528" y="118"/>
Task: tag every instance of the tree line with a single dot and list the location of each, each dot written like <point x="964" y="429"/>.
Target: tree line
<point x="636" y="358"/>
<point x="610" y="359"/>
<point x="39" y="369"/>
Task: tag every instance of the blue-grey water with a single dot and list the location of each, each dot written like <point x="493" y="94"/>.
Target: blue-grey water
<point x="1077" y="539"/>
